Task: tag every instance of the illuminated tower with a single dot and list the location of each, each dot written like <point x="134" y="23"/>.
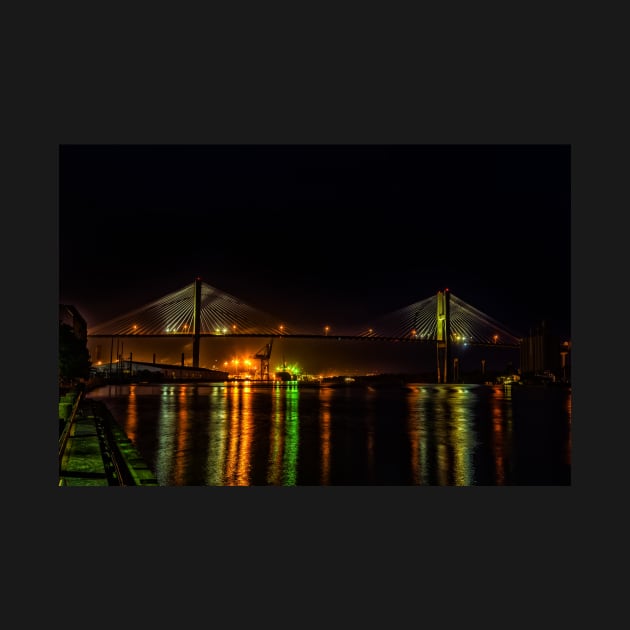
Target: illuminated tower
<point x="443" y="335"/>
<point x="196" y="323"/>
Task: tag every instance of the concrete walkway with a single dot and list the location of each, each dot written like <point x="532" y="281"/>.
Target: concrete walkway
<point x="98" y="453"/>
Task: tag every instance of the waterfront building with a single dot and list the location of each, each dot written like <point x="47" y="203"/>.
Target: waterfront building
<point x="70" y="316"/>
<point x="544" y="355"/>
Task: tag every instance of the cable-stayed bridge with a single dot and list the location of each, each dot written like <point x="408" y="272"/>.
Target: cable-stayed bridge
<point x="220" y="313"/>
<point x="200" y="310"/>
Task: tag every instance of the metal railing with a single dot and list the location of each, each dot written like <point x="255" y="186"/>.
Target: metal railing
<point x="65" y="434"/>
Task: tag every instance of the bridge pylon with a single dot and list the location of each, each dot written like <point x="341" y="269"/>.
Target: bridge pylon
<point x="196" y="322"/>
<point x="443" y="335"/>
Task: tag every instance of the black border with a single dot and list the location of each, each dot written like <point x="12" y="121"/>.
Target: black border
<point x="393" y="84"/>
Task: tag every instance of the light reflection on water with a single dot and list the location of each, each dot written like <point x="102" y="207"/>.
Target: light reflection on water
<point x="501" y="431"/>
<point x="166" y="438"/>
<point x="217" y="436"/>
<point x="325" y="419"/>
<point x="292" y="436"/>
<point x="285" y="435"/>
<point x="441" y="434"/>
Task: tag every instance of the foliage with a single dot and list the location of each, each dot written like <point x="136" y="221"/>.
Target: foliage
<point x="74" y="357"/>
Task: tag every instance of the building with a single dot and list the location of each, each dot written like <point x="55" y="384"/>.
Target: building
<point x="543" y="355"/>
<point x="141" y="370"/>
<point x="69" y="315"/>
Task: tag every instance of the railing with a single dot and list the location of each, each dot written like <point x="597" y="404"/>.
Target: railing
<point x="65" y="434"/>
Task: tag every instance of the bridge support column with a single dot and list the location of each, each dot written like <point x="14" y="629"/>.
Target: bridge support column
<point x="196" y="323"/>
<point x="443" y="335"/>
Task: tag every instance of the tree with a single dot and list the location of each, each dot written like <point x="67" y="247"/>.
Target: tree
<point x="74" y="357"/>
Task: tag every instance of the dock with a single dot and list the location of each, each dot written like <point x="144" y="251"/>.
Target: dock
<point x="95" y="451"/>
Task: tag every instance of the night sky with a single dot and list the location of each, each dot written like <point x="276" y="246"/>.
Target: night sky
<point x="319" y="234"/>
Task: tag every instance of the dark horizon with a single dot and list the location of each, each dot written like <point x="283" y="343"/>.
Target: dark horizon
<point x="317" y="357"/>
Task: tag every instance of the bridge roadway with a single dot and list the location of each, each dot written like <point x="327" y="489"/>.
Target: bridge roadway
<point x="303" y="336"/>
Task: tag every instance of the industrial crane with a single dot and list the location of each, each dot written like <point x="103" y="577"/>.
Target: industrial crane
<point x="264" y="354"/>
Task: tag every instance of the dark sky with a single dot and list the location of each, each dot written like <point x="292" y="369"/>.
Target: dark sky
<point x="319" y="234"/>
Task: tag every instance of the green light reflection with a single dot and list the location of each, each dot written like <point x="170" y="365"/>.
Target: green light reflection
<point x="291" y="440"/>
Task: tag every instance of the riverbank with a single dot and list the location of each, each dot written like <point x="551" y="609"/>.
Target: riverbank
<point x="94" y="450"/>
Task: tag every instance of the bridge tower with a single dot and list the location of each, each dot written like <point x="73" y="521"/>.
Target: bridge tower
<point x="196" y="322"/>
<point x="443" y="335"/>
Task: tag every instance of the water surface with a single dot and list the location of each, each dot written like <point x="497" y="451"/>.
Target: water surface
<point x="224" y="434"/>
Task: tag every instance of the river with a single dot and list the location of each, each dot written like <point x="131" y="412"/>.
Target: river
<point x="239" y="434"/>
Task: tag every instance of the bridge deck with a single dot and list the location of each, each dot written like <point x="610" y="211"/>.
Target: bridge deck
<point x="302" y="336"/>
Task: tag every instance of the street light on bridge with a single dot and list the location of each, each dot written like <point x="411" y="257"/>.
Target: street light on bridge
<point x="326" y="329"/>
